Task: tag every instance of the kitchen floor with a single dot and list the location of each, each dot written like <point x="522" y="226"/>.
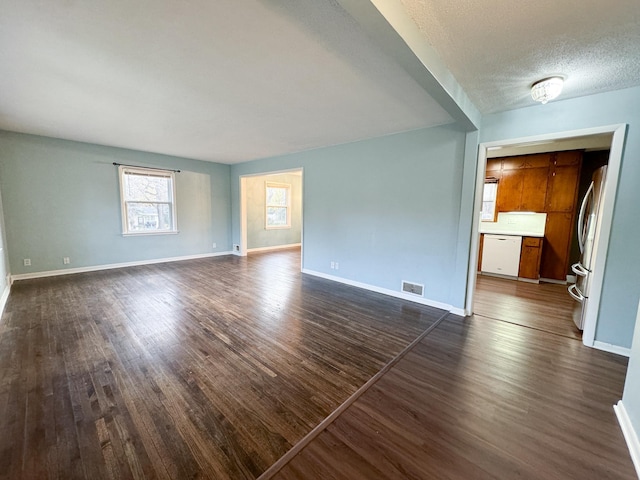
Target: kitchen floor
<point x="544" y="306"/>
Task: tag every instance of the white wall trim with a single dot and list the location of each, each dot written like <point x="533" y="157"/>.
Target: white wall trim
<point x="608" y="347"/>
<point x="275" y="247"/>
<point x="384" y="291"/>
<point x="95" y="268"/>
<point x="4" y="297"/>
<point x="630" y="435"/>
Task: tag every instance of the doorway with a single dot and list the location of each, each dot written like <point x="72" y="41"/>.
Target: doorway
<point x="271" y="211"/>
<point x="580" y="139"/>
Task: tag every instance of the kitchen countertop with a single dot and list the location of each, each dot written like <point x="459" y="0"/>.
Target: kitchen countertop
<point x="518" y="224"/>
<point x="512" y="232"/>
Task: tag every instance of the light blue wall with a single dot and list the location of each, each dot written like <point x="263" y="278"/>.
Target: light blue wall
<point x="386" y="209"/>
<point x="62" y="198"/>
<point x="631" y="396"/>
<point x="621" y="287"/>
<point x="257" y="235"/>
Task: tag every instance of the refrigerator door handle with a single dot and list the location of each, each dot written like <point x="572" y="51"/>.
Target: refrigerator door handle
<point x="581" y="218"/>
<point x="578" y="269"/>
<point x="575" y="293"/>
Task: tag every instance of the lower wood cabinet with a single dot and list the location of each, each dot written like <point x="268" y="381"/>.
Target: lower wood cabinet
<point x="530" y="257"/>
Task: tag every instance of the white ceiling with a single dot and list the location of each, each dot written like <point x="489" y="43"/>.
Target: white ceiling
<point x="224" y="80"/>
<point x="235" y="80"/>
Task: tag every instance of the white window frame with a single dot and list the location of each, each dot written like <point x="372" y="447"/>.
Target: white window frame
<point x="287" y="207"/>
<point x="170" y="174"/>
<point x="493" y="200"/>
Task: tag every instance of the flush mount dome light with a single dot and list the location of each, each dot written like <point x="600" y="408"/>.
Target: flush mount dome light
<point x="546" y="89"/>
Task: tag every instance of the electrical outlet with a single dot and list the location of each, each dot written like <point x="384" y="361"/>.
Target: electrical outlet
<point x="215" y="245"/>
<point x="27" y="262"/>
<point x="337" y="266"/>
<point x="66" y="260"/>
<point x="333" y="265"/>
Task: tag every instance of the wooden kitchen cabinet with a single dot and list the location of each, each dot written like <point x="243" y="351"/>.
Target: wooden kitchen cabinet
<point x="534" y="190"/>
<point x="530" y="258"/>
<point x="557" y="240"/>
<point x="563" y="188"/>
<point x="509" y="191"/>
<point x="522" y="185"/>
<point x="562" y="199"/>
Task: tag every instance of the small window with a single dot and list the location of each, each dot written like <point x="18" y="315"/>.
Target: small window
<point x="148" y="201"/>
<point x="277" y="212"/>
<point x="489" y="195"/>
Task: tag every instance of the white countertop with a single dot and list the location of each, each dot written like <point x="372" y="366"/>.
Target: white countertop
<point x="512" y="232"/>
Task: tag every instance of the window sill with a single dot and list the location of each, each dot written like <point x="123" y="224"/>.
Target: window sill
<point x="145" y="234"/>
<point x="284" y="227"/>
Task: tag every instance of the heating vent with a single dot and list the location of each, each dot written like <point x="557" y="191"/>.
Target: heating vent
<point x="414" y="288"/>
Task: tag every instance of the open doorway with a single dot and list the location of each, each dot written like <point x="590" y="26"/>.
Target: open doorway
<point x="527" y="300"/>
<point x="271" y="212"/>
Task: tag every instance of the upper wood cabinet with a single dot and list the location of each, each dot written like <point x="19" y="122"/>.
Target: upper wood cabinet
<point x="510" y="186"/>
<point x="563" y="182"/>
<point x="522" y="182"/>
<point x="534" y="190"/>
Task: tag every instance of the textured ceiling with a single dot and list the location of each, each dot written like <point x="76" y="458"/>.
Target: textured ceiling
<point x="224" y="81"/>
<point x="497" y="48"/>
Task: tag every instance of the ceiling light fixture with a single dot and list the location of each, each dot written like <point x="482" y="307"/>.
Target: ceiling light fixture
<point x="546" y="89"/>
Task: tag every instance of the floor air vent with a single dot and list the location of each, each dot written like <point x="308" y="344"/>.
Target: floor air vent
<point x="413" y="288"/>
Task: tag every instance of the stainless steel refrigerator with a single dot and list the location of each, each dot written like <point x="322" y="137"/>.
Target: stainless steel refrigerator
<point x="588" y="220"/>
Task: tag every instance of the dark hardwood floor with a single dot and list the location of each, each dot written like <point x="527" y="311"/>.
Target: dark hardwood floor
<point x="216" y="368"/>
<point x="208" y="368"/>
<point x="544" y="306"/>
<point x="480" y="399"/>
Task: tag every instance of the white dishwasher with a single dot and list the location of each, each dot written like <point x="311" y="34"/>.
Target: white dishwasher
<point x="501" y="254"/>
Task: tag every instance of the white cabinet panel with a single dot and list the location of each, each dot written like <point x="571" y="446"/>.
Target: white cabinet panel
<point x="501" y="254"/>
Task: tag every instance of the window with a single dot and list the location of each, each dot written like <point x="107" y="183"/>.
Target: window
<point x="277" y="212"/>
<point x="148" y="201"/>
<point x="489" y="200"/>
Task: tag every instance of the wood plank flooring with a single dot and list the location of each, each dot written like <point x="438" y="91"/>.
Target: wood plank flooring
<point x="545" y="306"/>
<point x="209" y="368"/>
<point x="480" y="399"/>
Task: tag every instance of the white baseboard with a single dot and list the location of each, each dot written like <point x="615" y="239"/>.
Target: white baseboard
<point x="630" y="435"/>
<point x="386" y="291"/>
<point x="276" y="247"/>
<point x="95" y="268"/>
<point x="608" y="347"/>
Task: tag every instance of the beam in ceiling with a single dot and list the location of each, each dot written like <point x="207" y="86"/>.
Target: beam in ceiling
<point x="389" y="25"/>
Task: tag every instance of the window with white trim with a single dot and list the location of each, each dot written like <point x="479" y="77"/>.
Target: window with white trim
<point x="278" y="205"/>
<point x="148" y="201"/>
<point x="489" y="195"/>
